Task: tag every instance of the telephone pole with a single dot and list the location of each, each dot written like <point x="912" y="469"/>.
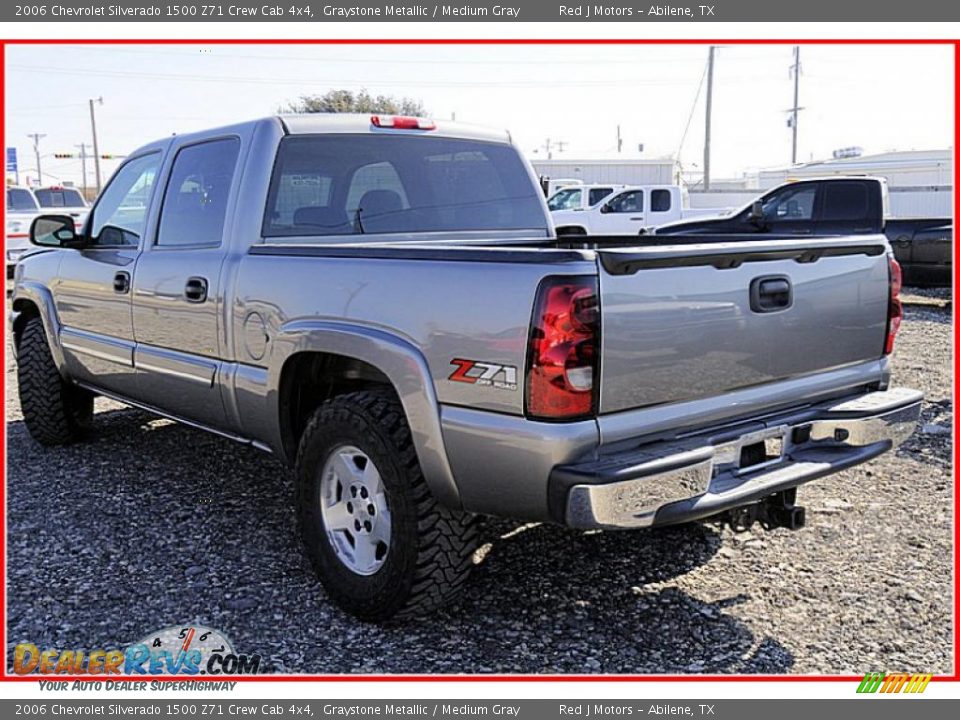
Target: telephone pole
<point x="549" y="145"/>
<point x="795" y="69"/>
<point x="619" y="140"/>
<point x="96" y="149"/>
<point x="709" y="113"/>
<point x="36" y="151"/>
<point x="83" y="166"/>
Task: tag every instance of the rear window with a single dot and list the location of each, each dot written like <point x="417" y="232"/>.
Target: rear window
<point x="361" y="184"/>
<point x="59" y="198"/>
<point x="19" y="200"/>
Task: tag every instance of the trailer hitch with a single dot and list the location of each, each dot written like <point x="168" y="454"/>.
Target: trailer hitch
<point x="777" y="510"/>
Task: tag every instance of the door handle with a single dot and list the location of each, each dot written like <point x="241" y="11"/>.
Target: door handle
<point x="195" y="290"/>
<point x="121" y="282"/>
<point x="770" y="293"/>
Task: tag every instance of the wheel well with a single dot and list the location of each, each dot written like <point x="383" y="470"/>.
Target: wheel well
<point x="309" y="379"/>
<point x="26" y="311"/>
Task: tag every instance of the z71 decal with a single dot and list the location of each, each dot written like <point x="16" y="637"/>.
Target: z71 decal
<point x="503" y="377"/>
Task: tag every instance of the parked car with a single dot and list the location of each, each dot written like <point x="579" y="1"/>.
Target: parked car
<point x="381" y="303"/>
<point x="66" y="200"/>
<point x="580" y="198"/>
<point x="552" y="185"/>
<point x="632" y="210"/>
<point x="839" y="205"/>
<point x="22" y="208"/>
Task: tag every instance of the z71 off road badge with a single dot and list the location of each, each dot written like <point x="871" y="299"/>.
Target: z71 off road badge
<point x="503" y="377"/>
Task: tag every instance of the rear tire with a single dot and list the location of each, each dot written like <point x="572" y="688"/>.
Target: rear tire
<point x="380" y="543"/>
<point x="55" y="411"/>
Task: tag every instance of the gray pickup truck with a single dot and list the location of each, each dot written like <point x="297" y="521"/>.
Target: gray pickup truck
<point x="382" y="303"/>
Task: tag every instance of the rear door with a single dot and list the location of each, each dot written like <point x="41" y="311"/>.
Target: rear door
<point x="92" y="292"/>
<point x="849" y="207"/>
<point x="688" y="322"/>
<point x="177" y="294"/>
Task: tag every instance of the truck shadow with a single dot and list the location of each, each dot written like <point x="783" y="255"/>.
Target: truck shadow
<point x="152" y="524"/>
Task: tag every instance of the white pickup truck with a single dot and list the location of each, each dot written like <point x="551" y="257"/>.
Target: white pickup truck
<point x="632" y="210"/>
<point x="581" y="197"/>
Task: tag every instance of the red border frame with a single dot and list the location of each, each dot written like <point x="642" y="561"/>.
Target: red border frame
<point x="955" y="677"/>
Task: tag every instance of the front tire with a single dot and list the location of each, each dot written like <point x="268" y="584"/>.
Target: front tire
<point x="55" y="412"/>
<point x="380" y="543"/>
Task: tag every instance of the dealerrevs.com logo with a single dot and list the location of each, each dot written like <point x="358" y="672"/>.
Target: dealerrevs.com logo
<point x="894" y="683"/>
<point x="189" y="651"/>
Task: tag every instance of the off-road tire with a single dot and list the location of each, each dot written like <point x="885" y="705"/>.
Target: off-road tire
<point x="54" y="411"/>
<point x="431" y="547"/>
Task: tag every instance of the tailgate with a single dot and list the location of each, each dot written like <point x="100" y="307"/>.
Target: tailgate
<point x="691" y="321"/>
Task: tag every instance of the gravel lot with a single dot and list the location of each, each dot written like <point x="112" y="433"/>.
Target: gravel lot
<point x="153" y="524"/>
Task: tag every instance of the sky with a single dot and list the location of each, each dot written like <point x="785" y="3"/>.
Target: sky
<point x="881" y="98"/>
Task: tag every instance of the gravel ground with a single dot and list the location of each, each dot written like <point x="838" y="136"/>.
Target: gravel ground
<point x="153" y="524"/>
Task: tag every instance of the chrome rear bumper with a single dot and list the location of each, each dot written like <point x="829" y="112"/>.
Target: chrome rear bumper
<point x="707" y="473"/>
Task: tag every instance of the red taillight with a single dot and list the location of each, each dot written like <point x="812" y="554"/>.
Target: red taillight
<point x="402" y="122"/>
<point x="563" y="360"/>
<point x="895" y="307"/>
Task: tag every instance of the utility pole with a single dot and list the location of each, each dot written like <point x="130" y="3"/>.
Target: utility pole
<point x="96" y="149"/>
<point x="709" y="114"/>
<point x="619" y="140"/>
<point x="795" y="69"/>
<point x="83" y="166"/>
<point x="549" y="145"/>
<point x="36" y="151"/>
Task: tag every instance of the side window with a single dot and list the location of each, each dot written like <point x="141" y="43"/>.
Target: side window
<point x="565" y="200"/>
<point x="121" y="211"/>
<point x="627" y="202"/>
<point x="660" y="201"/>
<point x="598" y="194"/>
<point x="848" y="201"/>
<point x="195" y="201"/>
<point x="791" y="204"/>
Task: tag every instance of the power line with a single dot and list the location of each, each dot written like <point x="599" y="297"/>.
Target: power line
<point x="693" y="109"/>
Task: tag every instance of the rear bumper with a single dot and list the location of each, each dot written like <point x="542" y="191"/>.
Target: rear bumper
<point x="701" y="475"/>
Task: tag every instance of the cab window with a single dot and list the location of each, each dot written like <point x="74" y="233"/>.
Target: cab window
<point x="791" y="204"/>
<point x="121" y="212"/>
<point x="565" y="200"/>
<point x="627" y="202"/>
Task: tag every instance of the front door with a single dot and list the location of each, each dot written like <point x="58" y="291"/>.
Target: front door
<point x="92" y="293"/>
<point x="623" y="214"/>
<point x="177" y="293"/>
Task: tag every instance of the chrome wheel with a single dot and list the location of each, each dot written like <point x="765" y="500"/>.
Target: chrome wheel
<point x="353" y="504"/>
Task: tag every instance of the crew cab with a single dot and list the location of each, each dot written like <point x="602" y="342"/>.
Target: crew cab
<point x="580" y="198"/>
<point x="839" y="205"/>
<point x="381" y="302"/>
<point x="632" y="210"/>
<point x="22" y="208"/>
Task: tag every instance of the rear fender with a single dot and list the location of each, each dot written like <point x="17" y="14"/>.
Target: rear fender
<point x="404" y="366"/>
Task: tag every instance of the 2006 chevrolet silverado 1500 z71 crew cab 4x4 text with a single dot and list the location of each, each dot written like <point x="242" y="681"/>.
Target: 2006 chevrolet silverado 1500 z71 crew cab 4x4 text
<point x="382" y="303"/>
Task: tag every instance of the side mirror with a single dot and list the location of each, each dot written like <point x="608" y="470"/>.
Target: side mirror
<point x="54" y="231"/>
<point x="756" y="211"/>
<point x="605" y="209"/>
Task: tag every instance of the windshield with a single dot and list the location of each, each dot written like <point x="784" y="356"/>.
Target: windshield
<point x="59" y="198"/>
<point x="20" y="200"/>
<point x="568" y="199"/>
<point x="360" y="184"/>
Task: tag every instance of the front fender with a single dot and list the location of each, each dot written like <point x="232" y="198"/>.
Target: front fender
<point x="404" y="366"/>
<point x="41" y="297"/>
